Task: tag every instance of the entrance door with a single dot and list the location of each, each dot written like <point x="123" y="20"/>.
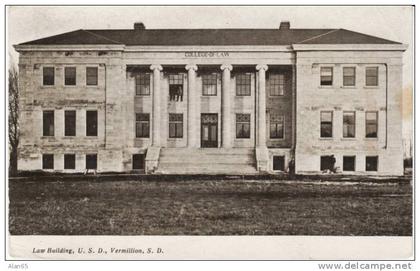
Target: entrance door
<point x="209" y="130"/>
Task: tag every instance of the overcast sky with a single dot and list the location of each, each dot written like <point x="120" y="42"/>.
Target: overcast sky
<point x="390" y="22"/>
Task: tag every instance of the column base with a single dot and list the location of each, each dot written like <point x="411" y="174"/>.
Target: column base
<point x="261" y="156"/>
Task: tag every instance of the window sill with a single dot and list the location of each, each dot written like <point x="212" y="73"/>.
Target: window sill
<point x="371" y="87"/>
<point x="48" y="86"/>
<point x="175" y="138"/>
<point x="326" y="138"/>
<point x="69" y="137"/>
<point x="276" y="139"/>
<point x="348" y="87"/>
<point x="242" y="138"/>
<point x="70" y="86"/>
<point x="47" y="137"/>
<point x="326" y="87"/>
<point x="92" y="86"/>
<point x="348" y="139"/>
<point x="371" y="138"/>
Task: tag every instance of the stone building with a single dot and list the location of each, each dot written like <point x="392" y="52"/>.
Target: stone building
<point x="234" y="101"/>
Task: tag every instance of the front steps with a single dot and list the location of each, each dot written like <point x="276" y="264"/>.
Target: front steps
<point x="237" y="161"/>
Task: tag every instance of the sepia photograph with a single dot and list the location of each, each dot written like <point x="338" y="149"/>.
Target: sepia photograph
<point x="209" y="121"/>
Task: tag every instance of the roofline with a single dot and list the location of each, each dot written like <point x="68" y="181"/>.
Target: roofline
<point x="80" y="47"/>
<point x="350" y="47"/>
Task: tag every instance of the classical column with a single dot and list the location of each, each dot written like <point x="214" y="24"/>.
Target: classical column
<point x="193" y="104"/>
<point x="261" y="106"/>
<point x="156" y="116"/>
<point x="226" y="107"/>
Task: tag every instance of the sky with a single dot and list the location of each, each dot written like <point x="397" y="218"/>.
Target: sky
<point x="389" y="22"/>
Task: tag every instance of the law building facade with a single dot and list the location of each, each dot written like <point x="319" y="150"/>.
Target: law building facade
<point x="209" y="101"/>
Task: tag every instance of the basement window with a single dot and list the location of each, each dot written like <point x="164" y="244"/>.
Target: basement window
<point x="48" y="75"/>
<point x="69" y="161"/>
<point x="371" y="163"/>
<point x="328" y="163"/>
<point x="138" y="161"/>
<point x="69" y="123"/>
<point x="243" y="123"/>
<point x="92" y="123"/>
<point x="48" y="123"/>
<point x="326" y="76"/>
<point x="326" y="124"/>
<point x="91" y="76"/>
<point x="349" y="163"/>
<point x="70" y="76"/>
<point x="278" y="163"/>
<point x="175" y="125"/>
<point x="176" y="87"/>
<point x="91" y="161"/>
<point x="48" y="161"/>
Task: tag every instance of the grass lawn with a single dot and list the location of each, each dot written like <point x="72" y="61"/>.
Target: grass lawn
<point x="198" y="207"/>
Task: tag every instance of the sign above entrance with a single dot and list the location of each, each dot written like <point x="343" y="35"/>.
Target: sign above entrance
<point x="206" y="54"/>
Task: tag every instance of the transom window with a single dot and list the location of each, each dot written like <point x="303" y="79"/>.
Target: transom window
<point x="243" y="123"/>
<point x="92" y="76"/>
<point x="70" y="76"/>
<point x="276" y="84"/>
<point x="371" y="124"/>
<point x="326" y="123"/>
<point x="48" y="76"/>
<point x="175" y="125"/>
<point x="209" y="84"/>
<point x="243" y="84"/>
<point x="349" y="76"/>
<point x="349" y="124"/>
<point x="326" y="76"/>
<point x="276" y="126"/>
<point x="143" y="84"/>
<point x="371" y="76"/>
<point x="142" y="125"/>
<point x="176" y="87"/>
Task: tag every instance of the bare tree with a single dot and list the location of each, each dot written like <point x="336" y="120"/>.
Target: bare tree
<point x="13" y="120"/>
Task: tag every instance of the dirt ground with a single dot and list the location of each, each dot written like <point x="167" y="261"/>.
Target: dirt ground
<point x="209" y="207"/>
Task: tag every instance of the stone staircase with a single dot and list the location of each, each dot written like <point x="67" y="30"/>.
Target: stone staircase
<point x="233" y="161"/>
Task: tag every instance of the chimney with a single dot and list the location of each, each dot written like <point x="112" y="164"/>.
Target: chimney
<point x="139" y="26"/>
<point x="284" y="25"/>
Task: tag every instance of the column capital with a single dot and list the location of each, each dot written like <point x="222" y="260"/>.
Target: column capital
<point x="191" y="67"/>
<point x="263" y="67"/>
<point x="156" y="67"/>
<point x="226" y="66"/>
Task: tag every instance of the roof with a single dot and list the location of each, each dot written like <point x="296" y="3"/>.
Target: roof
<point x="179" y="37"/>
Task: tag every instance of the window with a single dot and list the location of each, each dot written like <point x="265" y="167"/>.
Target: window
<point x="210" y="84"/>
<point x="69" y="161"/>
<point x="70" y="76"/>
<point x="91" y="161"/>
<point x="48" y="161"/>
<point x="278" y="163"/>
<point x="349" y="163"/>
<point x="138" y="161"/>
<point x="328" y="163"/>
<point x="69" y="123"/>
<point x="48" y="76"/>
<point x="92" y="123"/>
<point x="349" y="76"/>
<point x="175" y="125"/>
<point x="276" y="84"/>
<point x="48" y="123"/>
<point x="371" y="76"/>
<point x="371" y="163"/>
<point x="92" y="76"/>
<point x="326" y="76"/>
<point x="349" y="124"/>
<point x="142" y="125"/>
<point x="371" y="124"/>
<point x="276" y="126"/>
<point x="243" y="122"/>
<point x="176" y="87"/>
<point x="326" y="124"/>
<point x="143" y="84"/>
<point x="243" y="84"/>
